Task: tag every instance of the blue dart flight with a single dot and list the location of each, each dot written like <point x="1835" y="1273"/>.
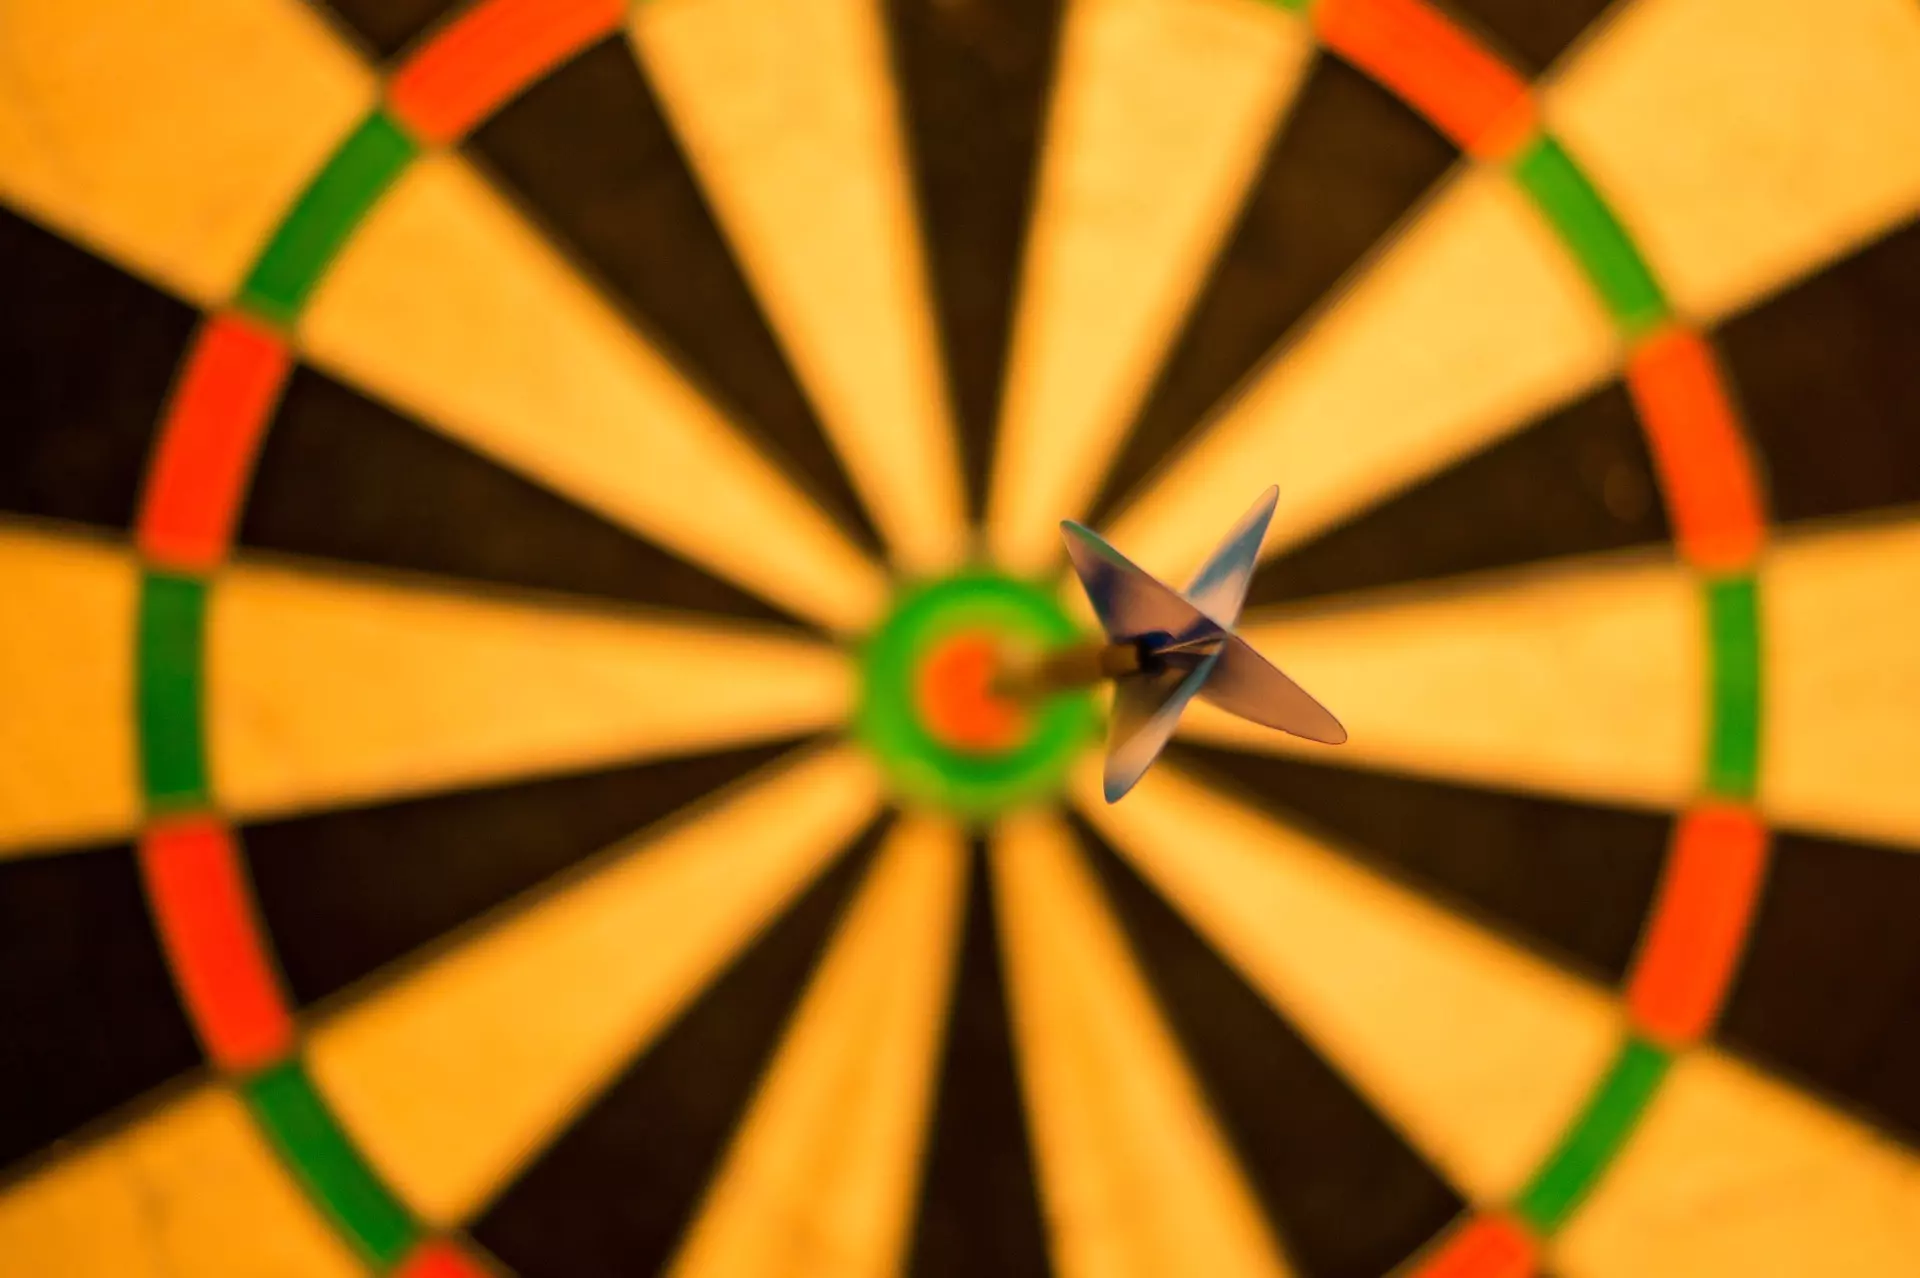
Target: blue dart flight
<point x="1164" y="648"/>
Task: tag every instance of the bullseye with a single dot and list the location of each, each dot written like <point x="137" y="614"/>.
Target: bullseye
<point x="929" y="712"/>
<point x="954" y="695"/>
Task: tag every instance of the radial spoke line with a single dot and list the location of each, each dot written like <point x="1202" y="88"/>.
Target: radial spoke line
<point x="188" y="537"/>
<point x="979" y="1208"/>
<point x="821" y="1176"/>
<point x="788" y="117"/>
<point x="1562" y="680"/>
<point x="1612" y="107"/>
<point x="1581" y="679"/>
<point x="343" y="477"/>
<point x="1160" y="112"/>
<point x="431" y="307"/>
<point x="344" y="892"/>
<point x="1354" y="163"/>
<point x="1323" y="1152"/>
<point x="973" y="84"/>
<point x="1485" y="1102"/>
<point x="616" y="1192"/>
<point x="1583" y="906"/>
<point x="453" y="1075"/>
<point x="1472" y="321"/>
<point x="1485" y="511"/>
<point x="1135" y="1170"/>
<point x="1711" y="492"/>
<point x="591" y="154"/>
<point x="415" y="281"/>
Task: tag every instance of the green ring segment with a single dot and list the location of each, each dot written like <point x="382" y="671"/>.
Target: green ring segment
<point x="919" y="767"/>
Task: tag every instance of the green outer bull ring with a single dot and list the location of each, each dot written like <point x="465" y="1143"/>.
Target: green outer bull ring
<point x="918" y="766"/>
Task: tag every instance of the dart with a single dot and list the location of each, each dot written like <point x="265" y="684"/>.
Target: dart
<point x="1164" y="647"/>
<point x="546" y="727"/>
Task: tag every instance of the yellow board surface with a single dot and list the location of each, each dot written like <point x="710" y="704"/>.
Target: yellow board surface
<point x="171" y="138"/>
<point x="1581" y="678"/>
<point x="449" y="305"/>
<point x="1744" y="146"/>
<point x="327" y="689"/>
<point x="788" y="115"/>
<point x="66" y="688"/>
<point x="1840" y="612"/>
<point x="1136" y="1175"/>
<point x="1745" y="142"/>
<point x="1734" y="1173"/>
<point x="458" y="1072"/>
<point x="821" y="1177"/>
<point x="1479" y="1052"/>
<point x="1473" y="320"/>
<point x="1160" y="112"/>
<point x="189" y="1189"/>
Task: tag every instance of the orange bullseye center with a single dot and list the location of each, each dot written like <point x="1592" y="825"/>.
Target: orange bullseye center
<point x="953" y="692"/>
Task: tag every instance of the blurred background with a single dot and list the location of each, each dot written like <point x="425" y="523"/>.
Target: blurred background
<point x="507" y="511"/>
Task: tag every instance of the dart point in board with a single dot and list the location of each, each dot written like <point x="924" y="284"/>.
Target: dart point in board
<point x="980" y="687"/>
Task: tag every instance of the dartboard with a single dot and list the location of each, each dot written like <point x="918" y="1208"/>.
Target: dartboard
<point x="510" y="511"/>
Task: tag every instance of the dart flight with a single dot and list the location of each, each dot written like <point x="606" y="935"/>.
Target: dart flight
<point x="1164" y="648"/>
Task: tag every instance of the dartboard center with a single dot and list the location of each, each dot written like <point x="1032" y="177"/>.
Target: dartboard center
<point x="929" y="711"/>
<point x="954" y="696"/>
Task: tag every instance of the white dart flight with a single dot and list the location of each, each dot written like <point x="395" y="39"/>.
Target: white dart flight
<point x="1165" y="647"/>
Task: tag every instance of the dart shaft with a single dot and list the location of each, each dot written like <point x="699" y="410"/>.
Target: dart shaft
<point x="1067" y="669"/>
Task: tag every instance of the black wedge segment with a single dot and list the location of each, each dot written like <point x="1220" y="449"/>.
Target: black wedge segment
<point x="973" y="76"/>
<point x="1829" y="993"/>
<point x="1529" y="34"/>
<point x="346" y="892"/>
<point x="589" y="152"/>
<point x="1571" y="880"/>
<point x="1350" y="160"/>
<point x="1827" y="377"/>
<point x="979" y="1207"/>
<point x="88" y="355"/>
<point x="89" y="1011"/>
<point x="391" y="25"/>
<point x="1348" y="1198"/>
<point x="1578" y="482"/>
<point x="614" y="1195"/>
<point x="342" y="476"/>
